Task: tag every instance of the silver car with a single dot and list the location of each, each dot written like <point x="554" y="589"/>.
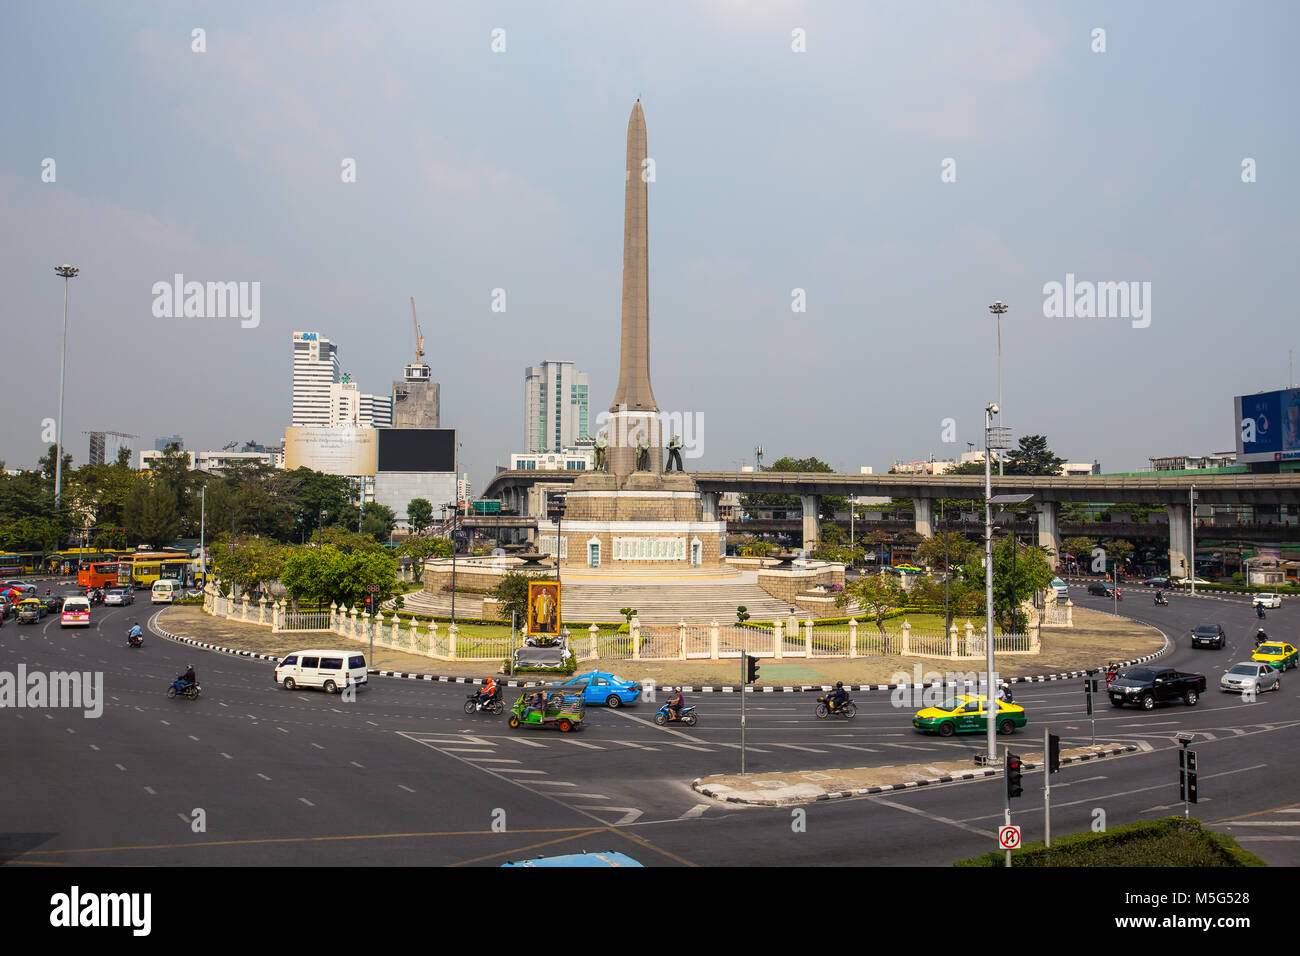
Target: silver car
<point x="119" y="597"/>
<point x="1250" y="676"/>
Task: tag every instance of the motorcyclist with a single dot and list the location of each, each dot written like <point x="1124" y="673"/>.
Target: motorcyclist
<point x="1004" y="691"/>
<point x="675" y="705"/>
<point x="1112" y="670"/>
<point x="488" y="691"/>
<point x="837" y="696"/>
<point x="1159" y="596"/>
<point x="1260" y="637"/>
<point x="1259" y="610"/>
<point x="188" y="679"/>
<point x="136" y="634"/>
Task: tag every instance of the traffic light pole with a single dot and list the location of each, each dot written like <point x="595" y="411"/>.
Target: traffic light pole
<point x="1047" y="789"/>
<point x="744" y="677"/>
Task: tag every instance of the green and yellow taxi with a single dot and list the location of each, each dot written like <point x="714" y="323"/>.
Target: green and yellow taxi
<point x="30" y="611"/>
<point x="966" y="714"/>
<point x="1277" y="655"/>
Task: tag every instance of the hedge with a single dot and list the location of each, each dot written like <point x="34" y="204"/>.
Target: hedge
<point x="1171" y="841"/>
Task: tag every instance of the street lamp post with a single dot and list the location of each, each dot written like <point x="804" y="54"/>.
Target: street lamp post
<point x="67" y="272"/>
<point x="1191" y="521"/>
<point x="998" y="308"/>
<point x="989" y="411"/>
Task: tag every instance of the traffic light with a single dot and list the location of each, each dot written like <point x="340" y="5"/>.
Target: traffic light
<point x="369" y="604"/>
<point x="1053" y="753"/>
<point x="751" y="669"/>
<point x="1014" y="789"/>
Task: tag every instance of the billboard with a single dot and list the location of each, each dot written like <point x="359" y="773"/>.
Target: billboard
<point x="543" y="608"/>
<point x="1268" y="426"/>
<point x="417" y="449"/>
<point x="335" y="450"/>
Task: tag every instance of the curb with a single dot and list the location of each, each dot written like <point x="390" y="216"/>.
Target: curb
<point x="894" y="787"/>
<point x="704" y="689"/>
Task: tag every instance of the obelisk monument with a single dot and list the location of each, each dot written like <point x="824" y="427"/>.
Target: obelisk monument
<point x="634" y="412"/>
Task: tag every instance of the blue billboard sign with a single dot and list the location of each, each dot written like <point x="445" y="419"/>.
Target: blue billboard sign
<point x="1268" y="426"/>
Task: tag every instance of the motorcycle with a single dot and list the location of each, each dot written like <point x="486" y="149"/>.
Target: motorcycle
<point x="1004" y="694"/>
<point x="184" y="689"/>
<point x="493" y="705"/>
<point x="134" y="640"/>
<point x="1161" y="601"/>
<point x="686" y="716"/>
<point x="1259" y="610"/>
<point x="847" y="709"/>
<point x="1111" y="673"/>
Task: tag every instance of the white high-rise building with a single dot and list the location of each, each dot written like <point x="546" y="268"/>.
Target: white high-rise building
<point x="377" y="410"/>
<point x="555" y="407"/>
<point x="315" y="370"/>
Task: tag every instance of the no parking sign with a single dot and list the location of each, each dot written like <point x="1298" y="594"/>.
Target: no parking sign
<point x="1009" y="838"/>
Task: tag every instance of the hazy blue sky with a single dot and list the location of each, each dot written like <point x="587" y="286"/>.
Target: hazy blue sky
<point x="775" y="170"/>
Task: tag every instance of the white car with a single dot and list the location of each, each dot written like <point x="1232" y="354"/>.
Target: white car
<point x="1185" y="581"/>
<point x="1267" y="600"/>
<point x="1250" y="676"/>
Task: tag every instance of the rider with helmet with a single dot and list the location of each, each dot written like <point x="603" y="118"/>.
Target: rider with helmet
<point x="1260" y="637"/>
<point x="837" y="696"/>
<point x="188" y="679"/>
<point x="487" y="693"/>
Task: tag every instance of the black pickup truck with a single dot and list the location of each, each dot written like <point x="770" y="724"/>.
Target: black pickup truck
<point x="1148" y="686"/>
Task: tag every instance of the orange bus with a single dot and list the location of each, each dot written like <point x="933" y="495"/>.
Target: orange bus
<point x="98" y="574"/>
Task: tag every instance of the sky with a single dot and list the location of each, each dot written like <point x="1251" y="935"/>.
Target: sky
<point x="902" y="164"/>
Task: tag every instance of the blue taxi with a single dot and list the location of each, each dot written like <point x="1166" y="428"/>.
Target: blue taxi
<point x="608" y="689"/>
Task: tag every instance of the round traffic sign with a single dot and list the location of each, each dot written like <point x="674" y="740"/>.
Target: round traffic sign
<point x="1009" y="837"/>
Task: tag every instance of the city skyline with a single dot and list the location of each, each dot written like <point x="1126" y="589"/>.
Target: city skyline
<point x="760" y="197"/>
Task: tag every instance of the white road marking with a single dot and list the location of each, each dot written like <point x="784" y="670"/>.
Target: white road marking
<point x="695" y="811"/>
<point x="282" y="730"/>
<point x="264" y="776"/>
<point x="318" y="746"/>
<point x="69" y="730"/>
<point x="93" y="747"/>
<point x="478" y="760"/>
<point x="811" y="750"/>
<point x="588" y="796"/>
<point x="152" y="791"/>
<point x="629" y="813"/>
<point x="1262" y="823"/>
<point x="406" y="788"/>
<point x="226" y="755"/>
<point x="119" y="767"/>
<point x="167" y="722"/>
<point x="193" y="738"/>
<point x="552" y="783"/>
<point x="515" y="770"/>
<point x="184" y="818"/>
<point x="306" y="801"/>
<point x="1266" y="839"/>
<point x="581" y="743"/>
<point x="355" y="764"/>
<point x="526" y="742"/>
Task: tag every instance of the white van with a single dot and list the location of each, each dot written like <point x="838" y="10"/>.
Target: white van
<point x="329" y="670"/>
<point x="76" y="612"/>
<point x="165" y="591"/>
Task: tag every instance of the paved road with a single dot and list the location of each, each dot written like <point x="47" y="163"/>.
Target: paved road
<point x="403" y="776"/>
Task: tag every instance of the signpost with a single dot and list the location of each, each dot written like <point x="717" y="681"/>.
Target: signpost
<point x="1186" y="774"/>
<point x="372" y="590"/>
<point x="1089" y="688"/>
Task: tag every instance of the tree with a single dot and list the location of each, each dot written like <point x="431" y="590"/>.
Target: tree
<point x="251" y="562"/>
<point x="150" y="513"/>
<point x="1033" y="457"/>
<point x="880" y="592"/>
<point x="46" y="462"/>
<point x="30" y="534"/>
<point x="419" y="514"/>
<point x="420" y="549"/>
<point x="1081" y="548"/>
<point x="1019" y="570"/>
<point x="327" y="574"/>
<point x="172" y="472"/>
<point x="930" y="552"/>
<point x="1117" y="552"/>
<point x="511" y="594"/>
<point x="123" y="457"/>
<point x="377" y="520"/>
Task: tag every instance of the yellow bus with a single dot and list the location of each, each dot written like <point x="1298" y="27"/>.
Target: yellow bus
<point x="21" y="562"/>
<point x="142" y="570"/>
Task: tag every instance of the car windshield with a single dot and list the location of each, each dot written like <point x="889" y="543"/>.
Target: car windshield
<point x="1268" y="648"/>
<point x="952" y="703"/>
<point x="1249" y="669"/>
<point x="616" y="679"/>
<point x="1206" y="630"/>
<point x="1140" y="673"/>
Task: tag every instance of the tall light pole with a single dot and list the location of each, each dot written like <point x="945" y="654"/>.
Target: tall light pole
<point x="1191" y="521"/>
<point x="994" y="438"/>
<point x="67" y="272"/>
<point x="998" y="308"/>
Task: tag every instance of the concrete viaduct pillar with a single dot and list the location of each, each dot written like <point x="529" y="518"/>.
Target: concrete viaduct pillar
<point x="1049" y="535"/>
<point x="923" y="509"/>
<point x="811" y="505"/>
<point x="1180" y="558"/>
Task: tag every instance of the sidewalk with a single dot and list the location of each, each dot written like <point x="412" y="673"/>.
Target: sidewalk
<point x="781" y="789"/>
<point x="1096" y="639"/>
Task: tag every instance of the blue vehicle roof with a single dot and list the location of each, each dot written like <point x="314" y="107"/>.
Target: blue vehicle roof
<point x="595" y="858"/>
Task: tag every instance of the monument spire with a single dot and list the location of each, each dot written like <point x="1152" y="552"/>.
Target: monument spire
<point x="633" y="392"/>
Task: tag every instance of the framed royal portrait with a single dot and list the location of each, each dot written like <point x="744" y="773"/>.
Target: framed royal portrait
<point x="544" y="608"/>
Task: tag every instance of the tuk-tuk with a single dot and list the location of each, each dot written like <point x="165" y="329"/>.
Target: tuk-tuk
<point x="558" y="705"/>
<point x="30" y="611"/>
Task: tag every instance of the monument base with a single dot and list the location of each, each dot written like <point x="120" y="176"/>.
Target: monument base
<point x="643" y="521"/>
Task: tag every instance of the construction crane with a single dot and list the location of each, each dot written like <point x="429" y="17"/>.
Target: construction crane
<point x="419" y="337"/>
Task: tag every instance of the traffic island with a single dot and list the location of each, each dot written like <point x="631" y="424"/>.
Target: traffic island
<point x="788" y="788"/>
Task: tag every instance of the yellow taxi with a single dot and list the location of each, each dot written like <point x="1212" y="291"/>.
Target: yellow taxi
<point x="1277" y="655"/>
<point x="966" y="714"/>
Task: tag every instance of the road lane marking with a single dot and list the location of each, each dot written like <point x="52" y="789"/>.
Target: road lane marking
<point x="587" y="796"/>
<point x="318" y="746"/>
<point x="282" y="730"/>
<point x="512" y="770"/>
<point x="650" y="723"/>
<point x="811" y="750"/>
<point x="264" y="776"/>
<point x="695" y="811"/>
<point x="492" y="760"/>
<point x="167" y="722"/>
<point x="226" y="755"/>
<point x="93" y="747"/>
<point x="581" y="743"/>
<point x="526" y="742"/>
<point x="152" y="791"/>
<point x="932" y="816"/>
<point x="193" y="738"/>
<point x="119" y="767"/>
<point x="306" y="801"/>
<point x="406" y="788"/>
<point x="553" y="783"/>
<point x="355" y="764"/>
<point x="673" y="743"/>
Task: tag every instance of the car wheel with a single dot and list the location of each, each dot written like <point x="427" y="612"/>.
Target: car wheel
<point x="330" y="687"/>
<point x="947" y="728"/>
<point x="1007" y="727"/>
<point x="1148" y="702"/>
<point x="1190" y="698"/>
<point x="614" y="701"/>
<point x="289" y="684"/>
